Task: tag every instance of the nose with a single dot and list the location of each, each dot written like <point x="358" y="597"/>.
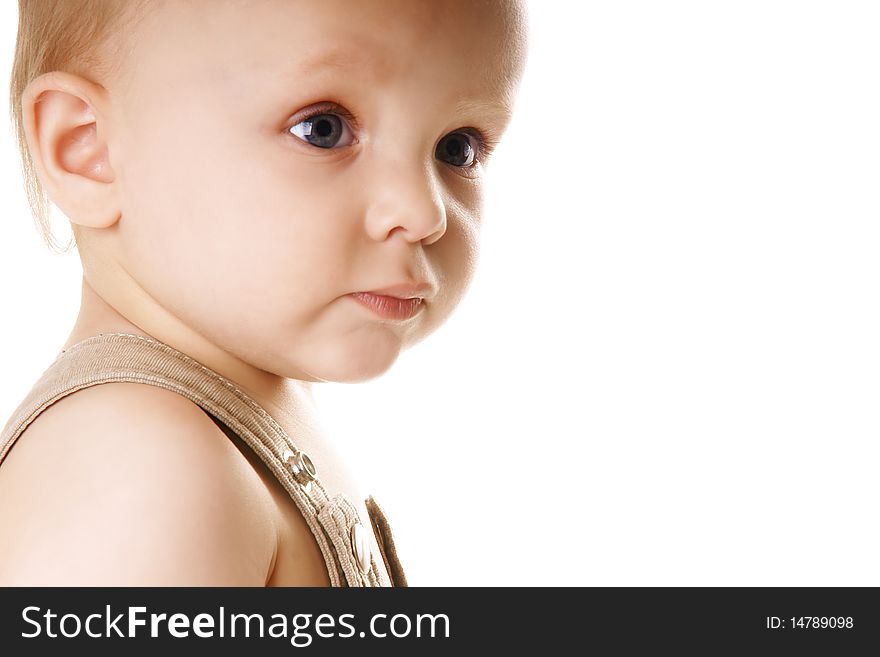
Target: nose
<point x="408" y="201"/>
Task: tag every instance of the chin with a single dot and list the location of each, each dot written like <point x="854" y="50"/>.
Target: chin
<point x="354" y="365"/>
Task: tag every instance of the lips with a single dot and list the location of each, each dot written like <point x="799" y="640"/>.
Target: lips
<point x="389" y="307"/>
<point x="405" y="291"/>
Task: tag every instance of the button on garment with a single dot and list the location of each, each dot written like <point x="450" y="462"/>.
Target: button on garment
<point x="301" y="466"/>
<point x="123" y="357"/>
<point x="360" y="546"/>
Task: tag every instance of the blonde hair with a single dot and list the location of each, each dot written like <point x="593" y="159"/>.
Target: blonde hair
<point x="76" y="36"/>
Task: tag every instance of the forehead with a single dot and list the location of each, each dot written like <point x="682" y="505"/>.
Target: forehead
<point x="376" y="40"/>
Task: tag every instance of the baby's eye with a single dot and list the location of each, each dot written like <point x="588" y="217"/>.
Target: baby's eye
<point x="325" y="129"/>
<point x="457" y="147"/>
<point x="321" y="130"/>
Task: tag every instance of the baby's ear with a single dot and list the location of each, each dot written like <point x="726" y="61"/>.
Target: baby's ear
<point x="66" y="136"/>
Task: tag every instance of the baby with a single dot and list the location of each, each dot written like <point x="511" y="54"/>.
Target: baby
<point x="264" y="194"/>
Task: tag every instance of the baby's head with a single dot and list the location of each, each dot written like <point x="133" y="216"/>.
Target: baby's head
<point x="238" y="168"/>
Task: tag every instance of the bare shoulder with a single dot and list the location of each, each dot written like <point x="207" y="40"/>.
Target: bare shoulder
<point x="126" y="484"/>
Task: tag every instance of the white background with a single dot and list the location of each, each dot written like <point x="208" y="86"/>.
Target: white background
<point x="667" y="369"/>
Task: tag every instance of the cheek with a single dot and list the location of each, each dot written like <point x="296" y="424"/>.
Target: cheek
<point x="459" y="249"/>
<point x="454" y="258"/>
<point x="230" y="226"/>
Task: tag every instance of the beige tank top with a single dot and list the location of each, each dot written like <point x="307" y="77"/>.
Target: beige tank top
<point x="122" y="357"/>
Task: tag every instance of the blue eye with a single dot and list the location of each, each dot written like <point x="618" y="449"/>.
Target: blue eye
<point x="320" y="130"/>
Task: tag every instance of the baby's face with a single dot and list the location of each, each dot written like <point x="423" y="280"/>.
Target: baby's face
<point x="275" y="156"/>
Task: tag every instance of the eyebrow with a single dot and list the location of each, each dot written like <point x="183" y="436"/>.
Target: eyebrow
<point x="364" y="61"/>
<point x="498" y="111"/>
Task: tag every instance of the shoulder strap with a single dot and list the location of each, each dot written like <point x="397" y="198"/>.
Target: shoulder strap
<point x="386" y="542"/>
<point x="123" y="357"/>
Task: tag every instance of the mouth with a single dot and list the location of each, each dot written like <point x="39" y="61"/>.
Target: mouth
<point x="389" y="307"/>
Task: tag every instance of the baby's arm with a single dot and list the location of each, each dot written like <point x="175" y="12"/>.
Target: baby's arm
<point x="131" y="485"/>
